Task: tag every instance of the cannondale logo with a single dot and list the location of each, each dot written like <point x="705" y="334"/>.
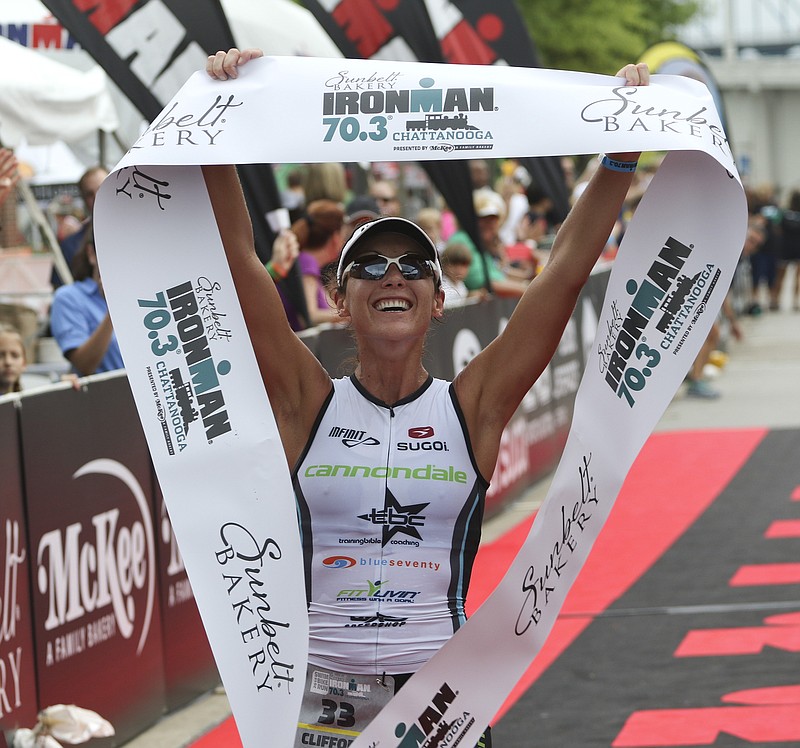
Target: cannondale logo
<point x="339" y="562"/>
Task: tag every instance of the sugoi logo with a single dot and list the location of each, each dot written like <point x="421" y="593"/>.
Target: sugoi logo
<point x="418" y="433"/>
<point x="352" y="437"/>
<point x="81" y="574"/>
<point x="339" y="562"/>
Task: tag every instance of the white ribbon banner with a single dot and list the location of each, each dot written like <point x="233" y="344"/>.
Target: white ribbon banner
<point x="203" y="407"/>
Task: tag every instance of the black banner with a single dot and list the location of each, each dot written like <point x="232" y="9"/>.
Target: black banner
<point x="149" y="48"/>
<point x="18" y="706"/>
<point x="452" y="32"/>
<point x="89" y="502"/>
<point x="498" y="34"/>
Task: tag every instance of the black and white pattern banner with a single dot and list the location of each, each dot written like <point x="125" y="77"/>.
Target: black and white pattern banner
<point x="203" y="406"/>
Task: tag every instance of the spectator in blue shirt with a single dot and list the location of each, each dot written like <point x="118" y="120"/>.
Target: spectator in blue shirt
<point x="88" y="185"/>
<point x="79" y="318"/>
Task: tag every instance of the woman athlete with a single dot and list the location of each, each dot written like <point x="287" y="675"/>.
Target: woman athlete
<point x="390" y="466"/>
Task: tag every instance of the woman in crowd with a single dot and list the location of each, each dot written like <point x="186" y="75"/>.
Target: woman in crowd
<point x="411" y="510"/>
<point x="790" y="249"/>
<point x="318" y="232"/>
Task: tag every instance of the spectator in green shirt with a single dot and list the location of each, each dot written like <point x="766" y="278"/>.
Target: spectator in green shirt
<point x="490" y="211"/>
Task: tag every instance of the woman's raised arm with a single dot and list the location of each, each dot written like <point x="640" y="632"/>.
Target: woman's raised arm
<point x="493" y="384"/>
<point x="295" y="381"/>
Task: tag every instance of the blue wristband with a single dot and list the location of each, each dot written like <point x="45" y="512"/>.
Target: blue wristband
<point x="613" y="165"/>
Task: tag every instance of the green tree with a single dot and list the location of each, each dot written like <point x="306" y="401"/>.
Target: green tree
<point x="601" y="35"/>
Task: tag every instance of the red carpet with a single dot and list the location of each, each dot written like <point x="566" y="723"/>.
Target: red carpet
<point x="704" y="462"/>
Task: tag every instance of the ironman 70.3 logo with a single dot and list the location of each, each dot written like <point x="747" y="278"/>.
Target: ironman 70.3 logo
<point x="627" y="357"/>
<point x="427" y="117"/>
<point x="185" y="379"/>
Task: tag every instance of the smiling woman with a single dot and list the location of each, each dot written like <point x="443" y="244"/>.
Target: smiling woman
<point x="390" y="460"/>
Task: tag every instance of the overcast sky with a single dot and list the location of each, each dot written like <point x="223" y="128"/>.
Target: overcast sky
<point x="754" y="22"/>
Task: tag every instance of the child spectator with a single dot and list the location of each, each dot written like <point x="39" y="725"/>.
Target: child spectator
<point x="430" y="221"/>
<point x="12" y="359"/>
<point x="455" y="259"/>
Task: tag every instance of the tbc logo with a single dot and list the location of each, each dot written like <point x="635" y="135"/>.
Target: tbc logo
<point x="397" y="518"/>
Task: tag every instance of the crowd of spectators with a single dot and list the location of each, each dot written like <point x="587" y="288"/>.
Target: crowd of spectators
<point x="516" y="222"/>
<point x="515" y="218"/>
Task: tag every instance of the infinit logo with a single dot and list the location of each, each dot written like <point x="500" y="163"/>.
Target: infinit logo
<point x="352" y="437"/>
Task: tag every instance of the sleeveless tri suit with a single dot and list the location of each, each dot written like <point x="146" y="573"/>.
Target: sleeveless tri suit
<point x="390" y="503"/>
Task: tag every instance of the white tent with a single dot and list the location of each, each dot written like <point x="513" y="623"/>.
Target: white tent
<point x="279" y="27"/>
<point x="43" y="101"/>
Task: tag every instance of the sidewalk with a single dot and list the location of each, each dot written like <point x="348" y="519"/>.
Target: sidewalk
<point x="760" y="386"/>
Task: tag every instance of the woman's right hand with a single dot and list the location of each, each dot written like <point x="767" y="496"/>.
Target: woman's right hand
<point x="225" y="65"/>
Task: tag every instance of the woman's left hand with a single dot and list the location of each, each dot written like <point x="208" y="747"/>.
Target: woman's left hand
<point x="635" y="74"/>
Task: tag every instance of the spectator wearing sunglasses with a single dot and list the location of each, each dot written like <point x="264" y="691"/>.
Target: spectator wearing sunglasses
<point x="389" y="463"/>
